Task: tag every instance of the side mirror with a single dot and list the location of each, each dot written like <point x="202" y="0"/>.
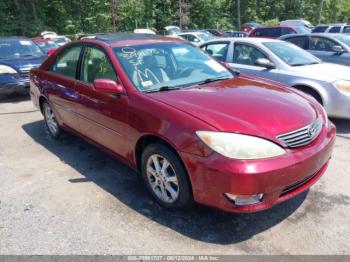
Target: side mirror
<point x="209" y="52"/>
<point x="338" y="49"/>
<point x="196" y="40"/>
<point x="108" y="86"/>
<point x="263" y="62"/>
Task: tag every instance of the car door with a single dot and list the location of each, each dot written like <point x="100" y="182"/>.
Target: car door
<point x="60" y="86"/>
<point x="244" y="58"/>
<point x="103" y="117"/>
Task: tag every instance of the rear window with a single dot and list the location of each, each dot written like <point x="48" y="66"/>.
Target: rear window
<point x="320" y="29"/>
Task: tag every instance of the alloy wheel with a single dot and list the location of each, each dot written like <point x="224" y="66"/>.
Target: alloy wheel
<point x="162" y="178"/>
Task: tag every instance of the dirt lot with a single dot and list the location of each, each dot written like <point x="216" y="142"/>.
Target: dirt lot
<point x="68" y="197"/>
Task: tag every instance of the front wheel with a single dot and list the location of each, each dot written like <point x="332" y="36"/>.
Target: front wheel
<point x="165" y="177"/>
<point x="51" y="121"/>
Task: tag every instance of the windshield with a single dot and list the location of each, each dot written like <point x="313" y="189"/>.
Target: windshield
<point x="18" y="48"/>
<point x="46" y="45"/>
<point x="291" y="54"/>
<point x="173" y="65"/>
<point x="343" y="38"/>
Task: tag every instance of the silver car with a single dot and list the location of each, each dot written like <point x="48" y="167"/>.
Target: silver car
<point x="286" y="63"/>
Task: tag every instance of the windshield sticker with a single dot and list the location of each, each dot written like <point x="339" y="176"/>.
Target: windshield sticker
<point x="25" y="43"/>
<point x="215" y="66"/>
<point x="147" y="83"/>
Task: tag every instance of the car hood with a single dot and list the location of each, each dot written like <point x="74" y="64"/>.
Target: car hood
<point x="243" y="105"/>
<point x="325" y="71"/>
<point x="23" y="65"/>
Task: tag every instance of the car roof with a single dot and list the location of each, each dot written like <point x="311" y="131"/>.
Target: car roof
<point x="119" y="39"/>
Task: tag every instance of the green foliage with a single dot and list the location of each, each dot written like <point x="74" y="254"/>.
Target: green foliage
<point x="20" y="17"/>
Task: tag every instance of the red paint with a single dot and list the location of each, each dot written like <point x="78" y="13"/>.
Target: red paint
<point x="244" y="104"/>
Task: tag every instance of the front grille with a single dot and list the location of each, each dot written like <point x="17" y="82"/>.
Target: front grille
<point x="296" y="185"/>
<point x="302" y="136"/>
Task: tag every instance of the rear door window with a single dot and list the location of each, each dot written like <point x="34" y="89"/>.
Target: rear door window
<point x="66" y="63"/>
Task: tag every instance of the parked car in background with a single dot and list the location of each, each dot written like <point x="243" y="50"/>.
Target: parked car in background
<point x="332" y="28"/>
<point x="215" y="32"/>
<point x="231" y="33"/>
<point x="17" y="56"/>
<point x="276" y="31"/>
<point x="332" y="48"/>
<point x="194" y="129"/>
<point x="196" y="38"/>
<point x="247" y="27"/>
<point x="286" y="63"/>
<point x="172" y="30"/>
<point x="47" y="46"/>
<point x="60" y="40"/>
<point x="144" y="31"/>
<point x="298" y="23"/>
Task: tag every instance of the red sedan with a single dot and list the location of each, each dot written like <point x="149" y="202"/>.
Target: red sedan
<point x="195" y="130"/>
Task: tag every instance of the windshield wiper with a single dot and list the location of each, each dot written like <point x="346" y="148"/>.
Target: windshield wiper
<point x="163" y="88"/>
<point x="211" y="80"/>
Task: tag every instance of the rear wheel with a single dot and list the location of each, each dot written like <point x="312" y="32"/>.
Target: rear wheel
<point x="165" y="177"/>
<point x="51" y="121"/>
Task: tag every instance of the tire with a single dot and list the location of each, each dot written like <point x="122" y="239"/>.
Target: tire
<point x="171" y="187"/>
<point x="51" y="123"/>
<point x="311" y="92"/>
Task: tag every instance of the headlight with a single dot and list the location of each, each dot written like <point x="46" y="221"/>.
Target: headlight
<point x="7" y="70"/>
<point x="239" y="146"/>
<point x="343" y="86"/>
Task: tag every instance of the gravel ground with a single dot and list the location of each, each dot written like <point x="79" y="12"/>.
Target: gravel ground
<point x="68" y="197"/>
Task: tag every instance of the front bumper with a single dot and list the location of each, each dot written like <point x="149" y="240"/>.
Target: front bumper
<point x="14" y="84"/>
<point x="278" y="178"/>
<point x="337" y="104"/>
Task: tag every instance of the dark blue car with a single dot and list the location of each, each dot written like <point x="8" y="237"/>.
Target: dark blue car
<point x="17" y="57"/>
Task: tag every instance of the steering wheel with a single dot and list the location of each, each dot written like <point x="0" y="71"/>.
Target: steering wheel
<point x="184" y="72"/>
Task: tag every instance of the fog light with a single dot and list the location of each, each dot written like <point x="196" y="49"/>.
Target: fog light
<point x="244" y="200"/>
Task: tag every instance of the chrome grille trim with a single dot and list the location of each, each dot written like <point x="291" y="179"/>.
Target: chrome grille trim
<point x="302" y="136"/>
